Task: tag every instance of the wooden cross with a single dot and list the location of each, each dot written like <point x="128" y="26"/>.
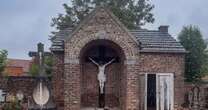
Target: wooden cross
<point x="102" y="58"/>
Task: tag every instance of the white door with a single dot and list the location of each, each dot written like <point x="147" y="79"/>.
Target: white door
<point x="165" y="91"/>
<point x="143" y="91"/>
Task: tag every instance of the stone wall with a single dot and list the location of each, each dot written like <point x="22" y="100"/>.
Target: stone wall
<point x="26" y="85"/>
<point x="23" y="84"/>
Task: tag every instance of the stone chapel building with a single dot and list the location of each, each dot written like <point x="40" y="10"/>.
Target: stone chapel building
<point x="147" y="73"/>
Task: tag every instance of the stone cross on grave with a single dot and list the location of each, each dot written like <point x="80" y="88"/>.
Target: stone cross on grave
<point x="40" y="54"/>
<point x="41" y="93"/>
<point x="41" y="59"/>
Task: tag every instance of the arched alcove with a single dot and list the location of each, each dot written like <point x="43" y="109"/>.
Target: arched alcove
<point x="102" y="51"/>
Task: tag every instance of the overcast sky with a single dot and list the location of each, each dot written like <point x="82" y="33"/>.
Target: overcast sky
<point x="24" y="23"/>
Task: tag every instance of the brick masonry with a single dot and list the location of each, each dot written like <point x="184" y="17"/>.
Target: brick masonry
<point x="24" y="84"/>
<point x="58" y="79"/>
<point x="73" y="84"/>
<point x="88" y="32"/>
<point x="166" y="63"/>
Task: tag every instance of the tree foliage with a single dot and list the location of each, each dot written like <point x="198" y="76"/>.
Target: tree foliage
<point x="34" y="70"/>
<point x="3" y="57"/>
<point x="48" y="63"/>
<point x="132" y="13"/>
<point x="197" y="59"/>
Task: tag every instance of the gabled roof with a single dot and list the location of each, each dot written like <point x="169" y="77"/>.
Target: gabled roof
<point x="58" y="39"/>
<point x="148" y="40"/>
<point x="92" y="14"/>
<point x="157" y="41"/>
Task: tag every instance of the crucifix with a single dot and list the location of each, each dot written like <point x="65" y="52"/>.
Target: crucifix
<point x="102" y="62"/>
<point x="41" y="93"/>
<point x="101" y="74"/>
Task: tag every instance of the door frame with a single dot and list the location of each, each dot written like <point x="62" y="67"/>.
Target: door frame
<point x="143" y="91"/>
<point x="157" y="93"/>
<point x="157" y="87"/>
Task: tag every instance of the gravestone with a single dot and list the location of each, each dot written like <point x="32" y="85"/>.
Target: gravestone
<point x="195" y="98"/>
<point x="2" y="96"/>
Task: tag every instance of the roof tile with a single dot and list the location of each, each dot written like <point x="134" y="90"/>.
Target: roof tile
<point x="150" y="40"/>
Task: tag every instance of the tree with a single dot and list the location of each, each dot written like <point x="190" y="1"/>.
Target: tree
<point x="48" y="63"/>
<point x="3" y="57"/>
<point x="197" y="58"/>
<point x="34" y="70"/>
<point x="132" y="13"/>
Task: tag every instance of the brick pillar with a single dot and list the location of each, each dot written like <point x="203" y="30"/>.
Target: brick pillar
<point x="179" y="91"/>
<point x="132" y="86"/>
<point x="72" y="86"/>
<point x="123" y="88"/>
<point x="57" y="80"/>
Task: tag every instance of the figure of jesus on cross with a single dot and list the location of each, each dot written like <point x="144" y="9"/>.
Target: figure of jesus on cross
<point x="101" y="74"/>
